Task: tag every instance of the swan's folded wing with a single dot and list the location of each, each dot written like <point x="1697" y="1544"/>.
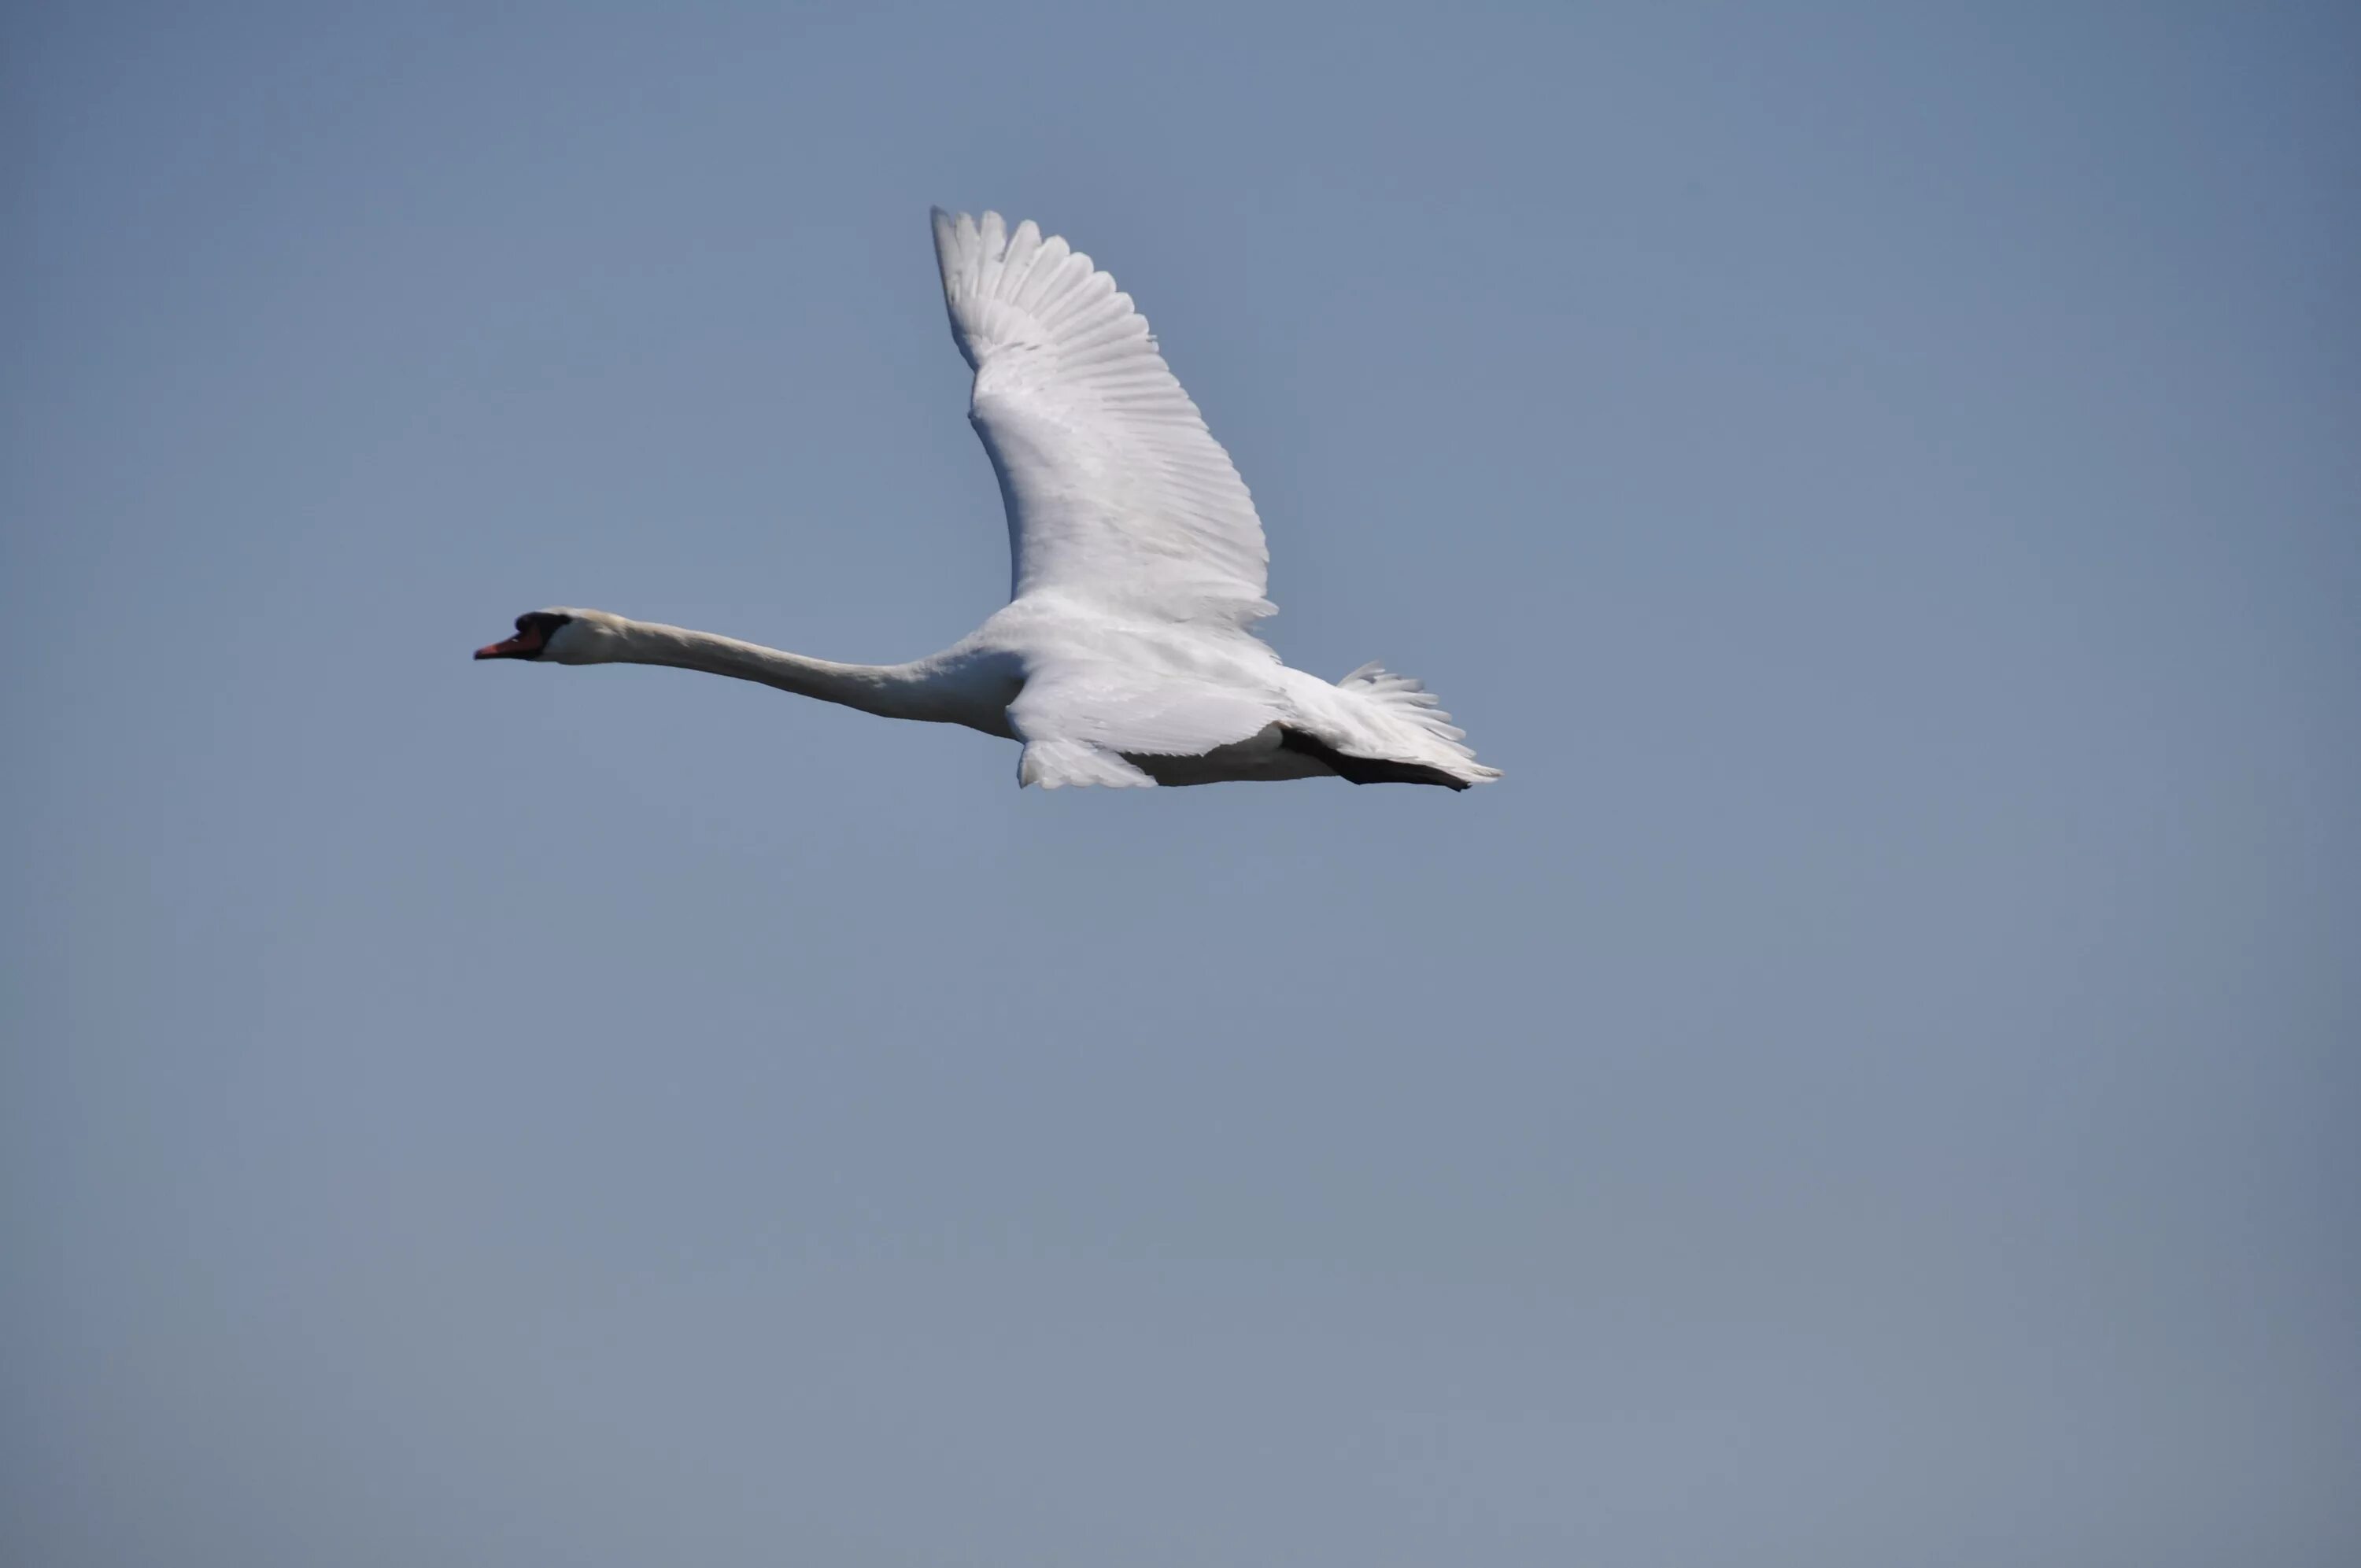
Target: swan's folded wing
<point x="1081" y="721"/>
<point x="1116" y="490"/>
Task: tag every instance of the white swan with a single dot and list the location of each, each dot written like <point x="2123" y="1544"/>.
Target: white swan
<point x="1125" y="654"/>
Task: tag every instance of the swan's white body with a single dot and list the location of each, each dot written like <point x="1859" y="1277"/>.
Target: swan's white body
<point x="1125" y="654"/>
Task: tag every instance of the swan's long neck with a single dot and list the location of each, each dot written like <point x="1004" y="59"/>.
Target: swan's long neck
<point x="896" y="691"/>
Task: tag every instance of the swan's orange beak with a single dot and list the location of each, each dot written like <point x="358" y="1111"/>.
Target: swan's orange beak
<point x="527" y="643"/>
<point x="533" y="630"/>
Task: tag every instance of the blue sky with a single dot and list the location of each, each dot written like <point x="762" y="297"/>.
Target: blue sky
<point x="1874" y="1084"/>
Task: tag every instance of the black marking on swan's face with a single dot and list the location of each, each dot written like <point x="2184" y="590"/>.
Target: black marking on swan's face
<point x="533" y="631"/>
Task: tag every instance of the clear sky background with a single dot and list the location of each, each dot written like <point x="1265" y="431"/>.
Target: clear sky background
<point x="1875" y="1084"/>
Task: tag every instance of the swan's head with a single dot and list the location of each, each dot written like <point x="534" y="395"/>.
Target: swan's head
<point x="559" y="636"/>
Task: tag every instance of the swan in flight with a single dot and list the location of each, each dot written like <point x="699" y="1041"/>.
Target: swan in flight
<point x="1125" y="654"/>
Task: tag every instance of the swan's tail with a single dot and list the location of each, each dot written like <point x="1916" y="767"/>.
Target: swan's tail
<point x="1411" y="706"/>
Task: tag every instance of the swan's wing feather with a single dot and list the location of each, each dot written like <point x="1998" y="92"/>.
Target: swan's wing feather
<point x="1080" y="718"/>
<point x="1116" y="491"/>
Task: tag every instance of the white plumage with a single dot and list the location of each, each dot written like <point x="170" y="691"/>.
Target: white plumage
<point x="1114" y="486"/>
<point x="1125" y="654"/>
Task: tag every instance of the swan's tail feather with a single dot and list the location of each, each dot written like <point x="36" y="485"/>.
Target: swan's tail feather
<point x="1405" y="701"/>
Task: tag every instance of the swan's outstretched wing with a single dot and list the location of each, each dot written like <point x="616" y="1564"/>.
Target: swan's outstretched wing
<point x="1117" y="494"/>
<point x="1079" y="717"/>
